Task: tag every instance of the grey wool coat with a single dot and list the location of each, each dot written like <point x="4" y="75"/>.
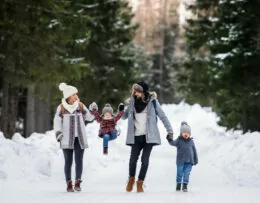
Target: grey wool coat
<point x="186" y="150"/>
<point x="152" y="131"/>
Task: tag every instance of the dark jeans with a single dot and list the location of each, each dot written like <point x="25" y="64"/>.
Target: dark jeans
<point x="140" y="144"/>
<point x="68" y="156"/>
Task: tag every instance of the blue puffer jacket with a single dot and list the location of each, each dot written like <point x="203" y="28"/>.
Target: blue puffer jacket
<point x="186" y="150"/>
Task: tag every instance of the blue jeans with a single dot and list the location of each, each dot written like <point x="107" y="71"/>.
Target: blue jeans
<point x="109" y="137"/>
<point x="183" y="172"/>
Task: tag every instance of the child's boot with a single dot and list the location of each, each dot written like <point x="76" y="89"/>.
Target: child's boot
<point x="77" y="185"/>
<point x="178" y="187"/>
<point x="185" y="187"/>
<point x="130" y="184"/>
<point x="105" y="150"/>
<point x="69" y="186"/>
<point x="139" y="185"/>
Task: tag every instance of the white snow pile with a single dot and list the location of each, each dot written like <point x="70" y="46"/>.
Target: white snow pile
<point x="234" y="154"/>
<point x="26" y="158"/>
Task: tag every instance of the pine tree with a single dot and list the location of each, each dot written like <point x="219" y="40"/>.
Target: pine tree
<point x="32" y="52"/>
<point x="234" y="61"/>
<point x="110" y="52"/>
<point x="194" y="79"/>
<point x="163" y="82"/>
<point x="87" y="43"/>
<point x="221" y="69"/>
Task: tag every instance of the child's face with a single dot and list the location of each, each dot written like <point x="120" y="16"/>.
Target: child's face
<point x="72" y="99"/>
<point x="186" y="135"/>
<point x="107" y="115"/>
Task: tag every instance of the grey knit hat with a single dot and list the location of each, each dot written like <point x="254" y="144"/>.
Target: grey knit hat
<point x="107" y="109"/>
<point x="185" y="127"/>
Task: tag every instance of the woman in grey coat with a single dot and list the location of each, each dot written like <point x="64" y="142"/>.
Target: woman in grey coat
<point x="142" y="132"/>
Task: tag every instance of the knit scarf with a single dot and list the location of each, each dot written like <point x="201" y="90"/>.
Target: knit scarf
<point x="140" y="104"/>
<point x="71" y="108"/>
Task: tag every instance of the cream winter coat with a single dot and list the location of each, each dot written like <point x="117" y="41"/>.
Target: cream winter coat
<point x="71" y="124"/>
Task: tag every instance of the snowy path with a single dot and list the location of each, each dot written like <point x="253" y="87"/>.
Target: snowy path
<point x="219" y="177"/>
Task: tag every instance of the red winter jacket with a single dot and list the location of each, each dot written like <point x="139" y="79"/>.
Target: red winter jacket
<point x="106" y="126"/>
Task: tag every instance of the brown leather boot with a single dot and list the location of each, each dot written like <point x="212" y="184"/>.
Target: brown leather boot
<point x="77" y="185"/>
<point x="105" y="150"/>
<point x="69" y="186"/>
<point x="130" y="184"/>
<point x="139" y="185"/>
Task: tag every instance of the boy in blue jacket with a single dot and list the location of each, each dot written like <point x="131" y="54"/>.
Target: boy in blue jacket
<point x="186" y="155"/>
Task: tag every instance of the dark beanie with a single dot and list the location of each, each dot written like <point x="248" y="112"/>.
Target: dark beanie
<point x="144" y="86"/>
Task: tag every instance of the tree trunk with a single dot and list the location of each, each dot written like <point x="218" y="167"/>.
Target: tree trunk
<point x="43" y="119"/>
<point x="38" y="116"/>
<point x="30" y="111"/>
<point x="244" y="116"/>
<point x="9" y="109"/>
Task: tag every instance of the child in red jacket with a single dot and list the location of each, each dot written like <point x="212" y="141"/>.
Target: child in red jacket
<point x="107" y="122"/>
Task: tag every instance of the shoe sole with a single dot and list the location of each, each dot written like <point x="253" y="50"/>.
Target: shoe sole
<point x="129" y="190"/>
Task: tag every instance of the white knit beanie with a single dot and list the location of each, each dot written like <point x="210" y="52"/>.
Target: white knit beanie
<point x="67" y="90"/>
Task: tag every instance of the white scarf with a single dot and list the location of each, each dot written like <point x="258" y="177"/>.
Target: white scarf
<point x="71" y="108"/>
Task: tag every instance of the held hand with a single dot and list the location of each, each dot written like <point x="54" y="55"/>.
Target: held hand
<point x="127" y="101"/>
<point x="121" y="107"/>
<point x="169" y="137"/>
<point x="93" y="107"/>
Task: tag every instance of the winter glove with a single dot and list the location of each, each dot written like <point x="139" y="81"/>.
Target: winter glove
<point x="59" y="137"/>
<point x="93" y="107"/>
<point x="169" y="137"/>
<point x="121" y="107"/>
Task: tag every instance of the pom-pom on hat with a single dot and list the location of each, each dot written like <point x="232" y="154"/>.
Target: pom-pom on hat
<point x="107" y="109"/>
<point x="67" y="90"/>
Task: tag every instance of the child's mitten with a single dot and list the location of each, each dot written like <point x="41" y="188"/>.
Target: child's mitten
<point x="93" y="107"/>
<point x="121" y="107"/>
<point x="169" y="137"/>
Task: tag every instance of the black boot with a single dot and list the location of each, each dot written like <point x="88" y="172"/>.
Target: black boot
<point x="178" y="187"/>
<point x="185" y="187"/>
<point x="105" y="150"/>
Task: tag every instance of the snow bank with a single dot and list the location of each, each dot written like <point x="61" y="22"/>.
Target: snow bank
<point x="231" y="151"/>
<point x="29" y="158"/>
<point x="39" y="156"/>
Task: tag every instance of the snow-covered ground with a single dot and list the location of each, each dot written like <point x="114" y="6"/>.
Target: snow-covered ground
<point x="31" y="170"/>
